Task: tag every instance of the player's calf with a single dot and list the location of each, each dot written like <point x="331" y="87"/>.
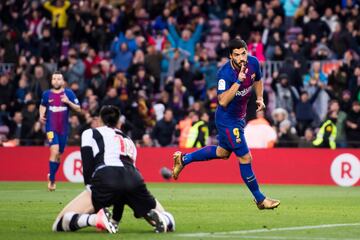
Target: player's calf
<point x="72" y="221"/>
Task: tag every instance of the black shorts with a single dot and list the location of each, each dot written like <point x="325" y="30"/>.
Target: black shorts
<point x="117" y="186"/>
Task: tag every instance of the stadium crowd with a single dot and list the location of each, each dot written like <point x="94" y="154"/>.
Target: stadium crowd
<point x="157" y="61"/>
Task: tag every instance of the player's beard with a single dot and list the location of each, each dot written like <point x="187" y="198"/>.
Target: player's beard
<point x="238" y="65"/>
<point x="57" y="87"/>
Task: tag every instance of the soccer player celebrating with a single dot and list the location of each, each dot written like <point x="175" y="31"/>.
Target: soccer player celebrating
<point x="54" y="112"/>
<point x="235" y="80"/>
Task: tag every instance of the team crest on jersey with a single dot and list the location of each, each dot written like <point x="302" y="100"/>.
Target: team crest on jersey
<point x="221" y="84"/>
<point x="253" y="76"/>
<point x="50" y="136"/>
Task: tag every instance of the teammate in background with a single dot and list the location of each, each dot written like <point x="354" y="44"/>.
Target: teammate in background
<point x="54" y="112"/>
<point x="235" y="80"/>
<point x="111" y="179"/>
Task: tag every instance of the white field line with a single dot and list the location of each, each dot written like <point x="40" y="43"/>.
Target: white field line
<point x="264" y="230"/>
<point x="278" y="237"/>
<point x="39" y="190"/>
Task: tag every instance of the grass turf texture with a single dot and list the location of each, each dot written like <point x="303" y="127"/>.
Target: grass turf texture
<point x="27" y="211"/>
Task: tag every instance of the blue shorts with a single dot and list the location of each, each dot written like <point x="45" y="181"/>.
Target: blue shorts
<point x="55" y="138"/>
<point x="231" y="137"/>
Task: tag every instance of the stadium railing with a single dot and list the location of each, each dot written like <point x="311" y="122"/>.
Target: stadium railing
<point x="268" y="67"/>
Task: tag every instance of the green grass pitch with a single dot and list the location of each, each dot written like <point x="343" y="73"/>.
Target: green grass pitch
<point x="202" y="211"/>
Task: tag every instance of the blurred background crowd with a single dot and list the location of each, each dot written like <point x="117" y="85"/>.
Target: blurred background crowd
<point x="157" y="61"/>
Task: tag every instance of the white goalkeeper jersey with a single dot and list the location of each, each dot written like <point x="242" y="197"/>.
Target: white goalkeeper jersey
<point x="109" y="146"/>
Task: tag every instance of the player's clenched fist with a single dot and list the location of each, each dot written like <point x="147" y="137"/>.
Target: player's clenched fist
<point x="64" y="99"/>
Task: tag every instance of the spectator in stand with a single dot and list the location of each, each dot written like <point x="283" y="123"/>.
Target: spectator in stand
<point x="208" y="67"/>
<point x="112" y="98"/>
<point x="330" y="19"/>
<point x="8" y="45"/>
<point x="48" y="46"/>
<point x="36" y="24"/>
<point x="91" y="59"/>
<point x="121" y="57"/>
<point x="30" y="114"/>
<point x="353" y="126"/>
<point x="179" y="96"/>
<point x="325" y="138"/>
<point x="160" y="22"/>
<point x="147" y="141"/>
<point x="187" y="41"/>
<point x="58" y="13"/>
<point x="292" y="68"/>
<point x="142" y="81"/>
<point x="279" y="53"/>
<point x="256" y="48"/>
<point x="285" y="93"/>
<point x="346" y="101"/>
<point x="355" y="83"/>
<point x="175" y="57"/>
<point x="316" y="26"/>
<point x="187" y="76"/>
<point x="97" y="81"/>
<point x="183" y="127"/>
<point x="163" y="132"/>
<point x="306" y="140"/>
<point x="279" y="115"/>
<point x="39" y="77"/>
<point x="304" y="111"/>
<point x="316" y="73"/>
<point x="17" y="128"/>
<point x="152" y="62"/>
<point x="290" y="8"/>
<point x="22" y="89"/>
<point x="128" y="38"/>
<point x="287" y="136"/>
<point x="222" y="47"/>
<point x="35" y="136"/>
<point x="75" y="71"/>
<point x="275" y="34"/>
<point x="334" y="106"/>
<point x="4" y="129"/>
<point x="315" y="79"/>
<point x="74" y="131"/>
<point x="140" y="116"/>
<point x="259" y="133"/>
<point x="138" y="60"/>
<point x="199" y="132"/>
<point x="121" y="84"/>
<point x="338" y="82"/>
<point x="5" y="91"/>
<point x="244" y="19"/>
